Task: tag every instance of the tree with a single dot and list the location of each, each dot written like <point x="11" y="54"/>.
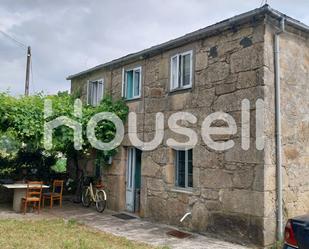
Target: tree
<point x="22" y="127"/>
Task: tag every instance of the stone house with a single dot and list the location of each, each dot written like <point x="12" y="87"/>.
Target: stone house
<point x="235" y="192"/>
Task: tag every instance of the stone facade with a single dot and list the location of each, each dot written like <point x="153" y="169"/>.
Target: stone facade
<point x="233" y="191"/>
<point x="294" y="66"/>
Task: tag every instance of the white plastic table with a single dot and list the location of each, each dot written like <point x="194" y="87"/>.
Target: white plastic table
<point x="20" y="190"/>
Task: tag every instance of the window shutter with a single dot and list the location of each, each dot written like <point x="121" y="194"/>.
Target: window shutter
<point x="186" y="69"/>
<point x="140" y="83"/>
<point x="174" y="72"/>
<point x="123" y="84"/>
<point x="176" y="167"/>
<point x="88" y="92"/>
<point x="100" y="92"/>
<point x="191" y="67"/>
<point x="137" y="82"/>
<point x="129" y="84"/>
<point x="180" y="70"/>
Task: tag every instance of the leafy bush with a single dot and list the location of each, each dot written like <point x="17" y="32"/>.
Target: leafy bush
<point x="277" y="245"/>
<point x="60" y="166"/>
<point x="22" y="129"/>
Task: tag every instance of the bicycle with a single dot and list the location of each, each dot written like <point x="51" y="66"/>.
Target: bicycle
<point x="98" y="197"/>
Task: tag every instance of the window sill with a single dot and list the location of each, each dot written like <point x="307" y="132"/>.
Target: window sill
<point x="133" y="99"/>
<point x="180" y="90"/>
<point x="92" y="105"/>
<point x="182" y="190"/>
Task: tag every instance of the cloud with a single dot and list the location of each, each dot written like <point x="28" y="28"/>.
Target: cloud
<point x="70" y="36"/>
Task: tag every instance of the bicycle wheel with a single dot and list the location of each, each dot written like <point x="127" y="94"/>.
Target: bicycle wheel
<point x="100" y="201"/>
<point x="86" y="199"/>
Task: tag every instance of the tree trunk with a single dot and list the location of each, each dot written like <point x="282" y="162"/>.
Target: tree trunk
<point x="79" y="179"/>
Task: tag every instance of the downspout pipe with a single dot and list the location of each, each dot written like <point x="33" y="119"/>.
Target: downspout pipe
<point x="278" y="130"/>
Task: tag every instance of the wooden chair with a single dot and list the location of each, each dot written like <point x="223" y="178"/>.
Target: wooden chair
<point x="56" y="195"/>
<point x="33" y="195"/>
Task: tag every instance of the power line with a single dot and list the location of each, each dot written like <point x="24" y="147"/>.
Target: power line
<point x="29" y="70"/>
<point x="263" y="2"/>
<point x="20" y="44"/>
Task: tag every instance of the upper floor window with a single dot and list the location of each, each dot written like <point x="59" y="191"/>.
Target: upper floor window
<point x="132" y="80"/>
<point x="95" y="92"/>
<point x="184" y="168"/>
<point x="181" y="71"/>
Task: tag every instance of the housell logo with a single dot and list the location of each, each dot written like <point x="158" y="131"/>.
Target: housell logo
<point x="207" y="129"/>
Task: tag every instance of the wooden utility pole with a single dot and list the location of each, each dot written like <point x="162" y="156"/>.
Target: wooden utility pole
<point x="28" y="71"/>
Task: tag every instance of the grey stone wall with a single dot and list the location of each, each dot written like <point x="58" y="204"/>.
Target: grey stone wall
<point x="227" y="195"/>
<point x="294" y="66"/>
<point x="295" y="122"/>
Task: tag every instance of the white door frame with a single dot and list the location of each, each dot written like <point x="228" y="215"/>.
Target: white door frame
<point x="130" y="178"/>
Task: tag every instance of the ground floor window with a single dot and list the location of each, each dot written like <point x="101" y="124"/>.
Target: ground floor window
<point x="184" y="168"/>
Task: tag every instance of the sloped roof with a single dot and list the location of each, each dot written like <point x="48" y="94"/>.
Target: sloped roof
<point x="196" y="35"/>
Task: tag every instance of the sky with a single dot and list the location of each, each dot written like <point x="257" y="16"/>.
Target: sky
<point x="69" y="36"/>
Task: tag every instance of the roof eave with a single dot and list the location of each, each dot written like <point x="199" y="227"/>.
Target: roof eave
<point x="242" y="18"/>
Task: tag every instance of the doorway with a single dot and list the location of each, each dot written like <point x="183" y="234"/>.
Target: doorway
<point x="133" y="179"/>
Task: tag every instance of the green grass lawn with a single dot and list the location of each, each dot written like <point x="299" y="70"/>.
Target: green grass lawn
<point x="54" y="234"/>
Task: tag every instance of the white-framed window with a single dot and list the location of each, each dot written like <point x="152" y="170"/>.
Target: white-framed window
<point x="181" y="71"/>
<point x="183" y="169"/>
<point x="132" y="83"/>
<point x="95" y="92"/>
